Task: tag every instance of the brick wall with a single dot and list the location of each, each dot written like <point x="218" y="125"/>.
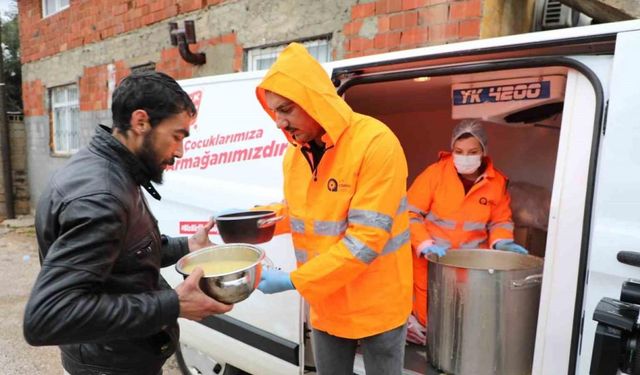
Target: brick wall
<point x="94" y="94"/>
<point x="92" y="21"/>
<point x="33" y="97"/>
<point x="172" y="64"/>
<point x="390" y="25"/>
<point x="94" y="90"/>
<point x="93" y="83"/>
<point x="374" y="27"/>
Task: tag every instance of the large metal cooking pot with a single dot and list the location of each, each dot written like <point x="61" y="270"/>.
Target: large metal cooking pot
<point x="482" y="311"/>
<point x="251" y="227"/>
<point x="232" y="286"/>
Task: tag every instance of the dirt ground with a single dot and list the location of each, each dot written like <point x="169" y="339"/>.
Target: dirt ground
<point x="19" y="267"/>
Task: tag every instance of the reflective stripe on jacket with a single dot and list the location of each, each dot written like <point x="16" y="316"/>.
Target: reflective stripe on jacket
<point x="440" y="210"/>
<point x="349" y="221"/>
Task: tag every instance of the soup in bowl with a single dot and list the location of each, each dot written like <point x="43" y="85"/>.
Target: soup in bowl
<point x="231" y="271"/>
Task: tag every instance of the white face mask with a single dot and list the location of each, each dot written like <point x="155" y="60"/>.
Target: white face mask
<point x="467" y="164"/>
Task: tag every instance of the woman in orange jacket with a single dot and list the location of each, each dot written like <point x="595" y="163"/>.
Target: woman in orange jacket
<point x="459" y="202"/>
<point x="345" y="203"/>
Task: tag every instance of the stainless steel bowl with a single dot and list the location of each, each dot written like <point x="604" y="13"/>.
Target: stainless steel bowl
<point x="231" y="287"/>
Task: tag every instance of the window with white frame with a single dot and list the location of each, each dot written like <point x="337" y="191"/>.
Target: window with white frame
<point x="261" y="58"/>
<point x="50" y="7"/>
<point x="65" y="115"/>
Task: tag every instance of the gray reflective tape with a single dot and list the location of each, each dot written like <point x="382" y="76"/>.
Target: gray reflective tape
<point x="416" y="210"/>
<point x="473" y="244"/>
<point x="447" y="224"/>
<point x="403" y="205"/>
<point x="329" y="228"/>
<point x="301" y="255"/>
<point x="474" y="225"/>
<point x="297" y="225"/>
<point x="508" y="225"/>
<point x="396" y="242"/>
<point x="370" y="219"/>
<point x="442" y="242"/>
<point x="359" y="250"/>
<point x="414" y="219"/>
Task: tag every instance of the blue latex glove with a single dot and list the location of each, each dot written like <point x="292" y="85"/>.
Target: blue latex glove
<point x="509" y="245"/>
<point x="274" y="281"/>
<point x="435" y="249"/>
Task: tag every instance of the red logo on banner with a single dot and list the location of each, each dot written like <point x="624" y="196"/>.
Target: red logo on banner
<point x="196" y="98"/>
<point x="191" y="227"/>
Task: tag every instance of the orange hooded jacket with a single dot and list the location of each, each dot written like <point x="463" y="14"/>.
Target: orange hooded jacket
<point x="439" y="210"/>
<point x="349" y="221"/>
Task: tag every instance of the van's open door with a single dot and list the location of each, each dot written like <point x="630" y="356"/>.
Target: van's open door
<point x="617" y="200"/>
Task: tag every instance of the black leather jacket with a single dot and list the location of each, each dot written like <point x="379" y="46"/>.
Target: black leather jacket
<point x="98" y="294"/>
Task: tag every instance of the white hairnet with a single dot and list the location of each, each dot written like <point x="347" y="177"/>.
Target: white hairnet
<point x="473" y="127"/>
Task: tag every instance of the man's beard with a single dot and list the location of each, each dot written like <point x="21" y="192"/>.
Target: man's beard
<point x="150" y="159"/>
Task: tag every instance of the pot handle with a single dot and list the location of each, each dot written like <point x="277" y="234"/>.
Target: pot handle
<point x="263" y="223"/>
<point x="530" y="280"/>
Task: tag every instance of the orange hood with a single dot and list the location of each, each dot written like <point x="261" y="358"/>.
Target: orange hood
<point x="297" y="76"/>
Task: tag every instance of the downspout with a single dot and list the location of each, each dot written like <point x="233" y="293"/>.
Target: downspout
<point x="7" y="174"/>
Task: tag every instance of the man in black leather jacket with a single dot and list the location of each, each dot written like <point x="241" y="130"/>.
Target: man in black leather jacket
<point x="98" y="294"/>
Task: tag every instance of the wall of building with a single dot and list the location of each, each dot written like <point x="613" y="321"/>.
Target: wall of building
<point x="506" y="17"/>
<point x="41" y="162"/>
<point x="18" y="140"/>
<point x="96" y="43"/>
<point x="18" y="148"/>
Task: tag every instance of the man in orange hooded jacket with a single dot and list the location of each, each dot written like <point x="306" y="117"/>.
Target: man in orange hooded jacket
<point x="345" y="199"/>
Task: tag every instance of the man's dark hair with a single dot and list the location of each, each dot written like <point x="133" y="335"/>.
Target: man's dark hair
<point x="155" y="92"/>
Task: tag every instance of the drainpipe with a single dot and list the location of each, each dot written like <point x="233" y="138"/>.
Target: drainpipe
<point x="4" y="140"/>
<point x="182" y="38"/>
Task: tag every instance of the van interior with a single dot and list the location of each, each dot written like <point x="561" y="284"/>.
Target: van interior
<point x="523" y="138"/>
<point x="420" y="112"/>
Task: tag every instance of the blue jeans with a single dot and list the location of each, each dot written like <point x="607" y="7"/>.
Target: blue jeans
<point x="383" y="353"/>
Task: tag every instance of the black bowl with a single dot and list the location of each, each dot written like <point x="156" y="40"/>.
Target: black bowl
<point x="251" y="227"/>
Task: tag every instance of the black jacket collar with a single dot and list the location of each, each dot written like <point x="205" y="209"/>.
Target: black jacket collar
<point x="107" y="146"/>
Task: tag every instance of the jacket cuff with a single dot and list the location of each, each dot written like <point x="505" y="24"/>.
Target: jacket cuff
<point x="173" y="249"/>
<point x="169" y="307"/>
<point x="423" y="245"/>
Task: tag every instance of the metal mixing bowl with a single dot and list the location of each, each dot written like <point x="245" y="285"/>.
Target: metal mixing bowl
<point x="231" y="287"/>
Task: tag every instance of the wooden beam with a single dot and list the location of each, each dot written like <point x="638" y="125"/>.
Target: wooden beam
<point x="606" y="10"/>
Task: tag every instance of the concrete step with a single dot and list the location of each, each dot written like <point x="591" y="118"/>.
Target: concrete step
<point x="19" y="222"/>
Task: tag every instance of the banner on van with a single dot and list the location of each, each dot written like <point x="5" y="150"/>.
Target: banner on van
<point x="191" y="227"/>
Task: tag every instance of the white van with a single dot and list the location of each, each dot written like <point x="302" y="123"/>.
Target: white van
<point x="561" y="112"/>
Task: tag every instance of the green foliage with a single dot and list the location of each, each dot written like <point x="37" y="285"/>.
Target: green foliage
<point x="11" y="63"/>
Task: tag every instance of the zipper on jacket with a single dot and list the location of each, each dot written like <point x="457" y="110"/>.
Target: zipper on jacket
<point x="476" y="185"/>
<point x="309" y="156"/>
<point x="305" y="152"/>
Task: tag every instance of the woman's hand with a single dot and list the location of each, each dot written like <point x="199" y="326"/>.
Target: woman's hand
<point x="509" y="245"/>
<point x="416" y="332"/>
<point x="429" y="247"/>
